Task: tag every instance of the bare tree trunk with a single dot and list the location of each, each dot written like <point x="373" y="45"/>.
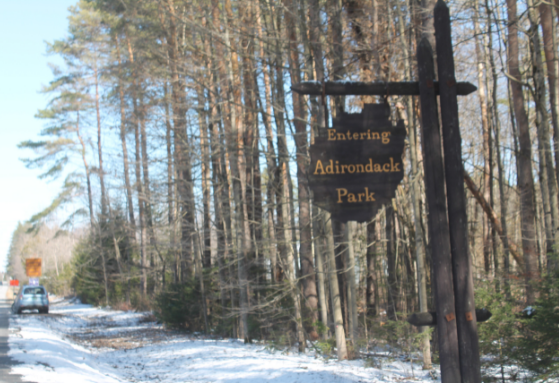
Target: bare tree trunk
<point x="206" y="176"/>
<point x="170" y="186"/>
<point x="250" y="143"/>
<point x="300" y="121"/>
<point x="415" y="186"/>
<point x="99" y="146"/>
<point x="391" y="263"/>
<point x="335" y="290"/>
<point x="319" y="250"/>
<point x="238" y="173"/>
<point x="282" y="219"/>
<point x="524" y="177"/>
<point x="123" y="142"/>
<point x="480" y="53"/>
<point x="138" y="175"/>
<point x="314" y="36"/>
<point x="87" y="172"/>
<point x="352" y="290"/>
<point x="219" y="161"/>
<point x="548" y="181"/>
<point x="182" y="150"/>
<point x="372" y="284"/>
<point x="550" y="49"/>
<point x="337" y="49"/>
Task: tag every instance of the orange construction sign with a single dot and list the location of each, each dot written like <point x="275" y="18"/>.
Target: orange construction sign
<point x="33" y="267"/>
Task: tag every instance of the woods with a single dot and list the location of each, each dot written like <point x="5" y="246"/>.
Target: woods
<point x="185" y="155"/>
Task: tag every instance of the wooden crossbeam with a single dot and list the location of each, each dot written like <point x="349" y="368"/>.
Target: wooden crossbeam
<point x="345" y="88"/>
<point x="430" y="318"/>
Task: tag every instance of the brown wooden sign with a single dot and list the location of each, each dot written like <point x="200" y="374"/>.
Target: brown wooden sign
<point x="33" y="267"/>
<point x="357" y="164"/>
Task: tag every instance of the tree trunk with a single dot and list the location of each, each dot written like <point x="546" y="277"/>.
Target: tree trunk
<point x="182" y="150"/>
<point x="391" y="264"/>
<point x="319" y="250"/>
<point x="124" y="145"/>
<point x="352" y="290"/>
<point x="170" y="186"/>
<point x="524" y="173"/>
<point x="234" y="134"/>
<point x="372" y="283"/>
<point x="548" y="182"/>
<point x="550" y="49"/>
<point x="415" y="186"/>
<point x="335" y="290"/>
<point x="480" y="53"/>
<point x="206" y="248"/>
<point x="99" y="146"/>
<point x="300" y="121"/>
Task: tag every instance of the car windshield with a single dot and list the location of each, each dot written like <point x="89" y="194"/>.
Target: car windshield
<point x="34" y="290"/>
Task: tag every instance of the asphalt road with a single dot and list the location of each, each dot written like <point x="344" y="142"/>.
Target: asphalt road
<point x="6" y="363"/>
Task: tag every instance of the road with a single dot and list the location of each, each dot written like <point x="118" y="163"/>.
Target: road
<point x="6" y="363"/>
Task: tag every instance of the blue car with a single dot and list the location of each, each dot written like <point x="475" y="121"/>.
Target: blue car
<point x="31" y="298"/>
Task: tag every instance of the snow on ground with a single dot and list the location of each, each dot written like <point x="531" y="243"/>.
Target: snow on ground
<point x="79" y="343"/>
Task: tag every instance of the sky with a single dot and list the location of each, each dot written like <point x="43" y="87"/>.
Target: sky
<point x="24" y="28"/>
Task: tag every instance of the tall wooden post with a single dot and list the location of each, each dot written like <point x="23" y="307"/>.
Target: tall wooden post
<point x="456" y="200"/>
<point x="438" y="222"/>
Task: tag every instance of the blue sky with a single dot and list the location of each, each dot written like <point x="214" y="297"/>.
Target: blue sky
<point x="24" y="27"/>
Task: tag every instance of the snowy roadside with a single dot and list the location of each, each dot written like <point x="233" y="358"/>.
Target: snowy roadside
<point x="79" y="343"/>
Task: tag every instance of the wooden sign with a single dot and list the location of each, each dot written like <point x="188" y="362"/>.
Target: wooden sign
<point x="357" y="164"/>
<point x="33" y="267"/>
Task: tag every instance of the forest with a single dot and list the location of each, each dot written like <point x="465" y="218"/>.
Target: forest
<point x="184" y="156"/>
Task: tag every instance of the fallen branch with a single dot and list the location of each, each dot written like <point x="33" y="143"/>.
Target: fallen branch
<point x="493" y="218"/>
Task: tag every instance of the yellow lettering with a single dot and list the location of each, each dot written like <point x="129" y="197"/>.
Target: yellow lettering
<point x="360" y="195"/>
<point x="341" y="136"/>
<point x="363" y="134"/>
<point x="331" y="135"/>
<point x="348" y="135"/>
<point x="359" y="168"/>
<point x="384" y="167"/>
<point x="394" y="166"/>
<point x="355" y="136"/>
<point x="376" y="136"/>
<point x="351" y="198"/>
<point x="340" y="195"/>
<point x="369" y="166"/>
<point x="369" y="134"/>
<point x="319" y="167"/>
<point x="370" y="197"/>
<point x="351" y="168"/>
<point x="330" y="168"/>
<point x="378" y="168"/>
<point x="343" y="168"/>
<point x="337" y="168"/>
<point x="385" y="137"/>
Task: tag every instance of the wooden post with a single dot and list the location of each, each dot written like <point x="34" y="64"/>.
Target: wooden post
<point x="438" y="222"/>
<point x="456" y="200"/>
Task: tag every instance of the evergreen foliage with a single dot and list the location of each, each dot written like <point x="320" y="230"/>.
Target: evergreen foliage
<point x="538" y="347"/>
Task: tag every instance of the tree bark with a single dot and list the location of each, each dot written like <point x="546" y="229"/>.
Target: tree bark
<point x="524" y="173"/>
<point x="550" y="50"/>
<point x="352" y="290"/>
<point x="547" y="174"/>
<point x="480" y="53"/>
<point x="335" y="290"/>
<point x="308" y="278"/>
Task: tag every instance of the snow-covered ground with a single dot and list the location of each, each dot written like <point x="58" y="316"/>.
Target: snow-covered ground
<point x="79" y="343"/>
